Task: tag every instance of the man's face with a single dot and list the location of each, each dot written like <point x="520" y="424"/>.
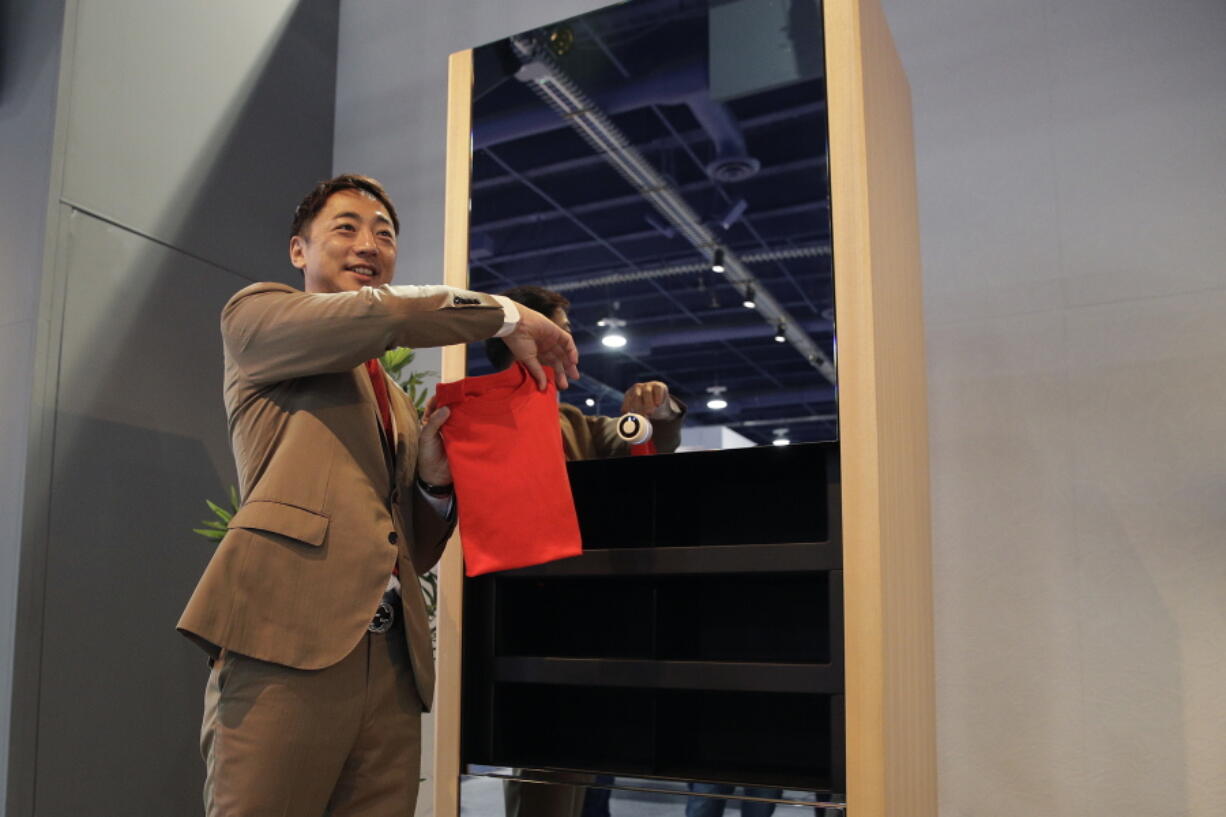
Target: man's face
<point x="350" y="244"/>
<point x="560" y="317"/>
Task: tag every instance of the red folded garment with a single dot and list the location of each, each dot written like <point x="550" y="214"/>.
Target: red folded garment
<point x="504" y="444"/>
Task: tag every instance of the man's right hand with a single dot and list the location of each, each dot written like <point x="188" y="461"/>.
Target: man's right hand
<point x="537" y="341"/>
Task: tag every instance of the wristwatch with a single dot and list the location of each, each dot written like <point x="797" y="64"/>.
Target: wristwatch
<point x="440" y="491"/>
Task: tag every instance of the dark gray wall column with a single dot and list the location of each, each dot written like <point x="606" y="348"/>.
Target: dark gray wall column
<point x="30" y="34"/>
<point x="185" y="135"/>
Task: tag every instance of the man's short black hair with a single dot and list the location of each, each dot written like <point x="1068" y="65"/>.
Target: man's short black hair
<point x="545" y="301"/>
<point x="314" y="201"/>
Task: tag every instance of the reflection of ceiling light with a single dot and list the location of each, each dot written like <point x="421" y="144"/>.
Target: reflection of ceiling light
<point x="717" y="263"/>
<point x="781" y="437"/>
<point x="716" y="401"/>
<point x="749" y="302"/>
<point x="590" y="403"/>
<point x="614" y="337"/>
<point x="781" y="335"/>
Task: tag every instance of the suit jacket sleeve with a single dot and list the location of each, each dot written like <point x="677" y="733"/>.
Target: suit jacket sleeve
<point x="274" y="332"/>
<point x="430" y="532"/>
<point x="599" y="438"/>
<point x="667" y="433"/>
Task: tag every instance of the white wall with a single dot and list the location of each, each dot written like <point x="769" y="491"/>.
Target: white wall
<point x="1072" y="181"/>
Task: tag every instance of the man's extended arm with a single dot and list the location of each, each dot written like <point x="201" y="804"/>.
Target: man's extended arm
<point x="274" y="332"/>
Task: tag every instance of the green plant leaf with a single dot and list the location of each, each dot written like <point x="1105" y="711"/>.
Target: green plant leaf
<point x="396" y="359"/>
<point x="234" y="498"/>
<point x="214" y="523"/>
<point x="215" y="535"/>
<point x="220" y="511"/>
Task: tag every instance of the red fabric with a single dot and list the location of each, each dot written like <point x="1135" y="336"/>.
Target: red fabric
<point x="375" y="370"/>
<point x="379" y="382"/>
<point x="503" y="443"/>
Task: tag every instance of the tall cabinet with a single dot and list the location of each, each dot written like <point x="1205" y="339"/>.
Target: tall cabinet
<point x="666" y="638"/>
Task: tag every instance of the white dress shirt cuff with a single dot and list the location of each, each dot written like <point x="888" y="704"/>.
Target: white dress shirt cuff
<point x="510" y="315"/>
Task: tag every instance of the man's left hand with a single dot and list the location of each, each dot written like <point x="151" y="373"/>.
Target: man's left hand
<point x="650" y="399"/>
<point x="432" y="465"/>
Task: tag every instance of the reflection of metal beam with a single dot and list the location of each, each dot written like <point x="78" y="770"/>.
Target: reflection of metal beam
<point x="761" y="256"/>
<point x="698" y="187"/>
<point x="808" y="418"/>
<point x="625" y="238"/>
<point x="548" y="81"/>
<point x="653" y="341"/>
<point x="686" y="137"/>
<point x="818" y="395"/>
<point x="598" y="388"/>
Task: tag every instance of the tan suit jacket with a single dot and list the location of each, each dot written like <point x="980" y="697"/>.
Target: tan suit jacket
<point x="592" y="436"/>
<point x="327" y="509"/>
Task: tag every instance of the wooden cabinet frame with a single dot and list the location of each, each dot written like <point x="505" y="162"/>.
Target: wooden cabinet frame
<point x="890" y="717"/>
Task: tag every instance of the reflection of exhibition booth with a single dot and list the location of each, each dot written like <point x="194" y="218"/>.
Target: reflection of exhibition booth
<point x="759" y="616"/>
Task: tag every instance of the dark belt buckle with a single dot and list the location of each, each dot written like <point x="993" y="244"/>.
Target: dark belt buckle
<point x="384" y="617"/>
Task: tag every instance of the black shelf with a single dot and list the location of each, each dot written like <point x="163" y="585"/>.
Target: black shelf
<point x="786" y="740"/>
<point x="699" y="636"/>
<point x="788" y="618"/>
<point x="773" y="558"/>
<point x="715" y="676"/>
<point x="749" y="496"/>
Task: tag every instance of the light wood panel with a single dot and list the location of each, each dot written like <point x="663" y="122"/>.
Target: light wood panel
<point x="891" y="754"/>
<point x="446" y="775"/>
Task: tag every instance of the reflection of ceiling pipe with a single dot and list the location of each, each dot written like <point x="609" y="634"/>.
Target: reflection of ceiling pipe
<point x="712" y="333"/>
<point x="687" y="137"/>
<point x="673" y="85"/>
<point x="757" y="257"/>
<point x="551" y="84"/>
<point x="806" y="418"/>
<point x="669" y="85"/>
<point x="740" y="402"/>
<point x="734" y="214"/>
<point x="732" y="162"/>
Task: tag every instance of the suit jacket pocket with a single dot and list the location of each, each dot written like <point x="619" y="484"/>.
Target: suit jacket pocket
<point x="297" y="523"/>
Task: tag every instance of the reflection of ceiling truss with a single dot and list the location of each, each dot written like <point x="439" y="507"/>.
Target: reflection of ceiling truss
<point x="626" y="277"/>
<point x="747" y="176"/>
<point x="551" y="83"/>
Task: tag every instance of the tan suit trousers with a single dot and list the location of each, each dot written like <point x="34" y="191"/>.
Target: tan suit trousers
<point x="341" y="741"/>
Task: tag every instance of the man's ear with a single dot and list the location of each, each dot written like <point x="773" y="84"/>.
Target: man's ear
<point x="297" y="252"/>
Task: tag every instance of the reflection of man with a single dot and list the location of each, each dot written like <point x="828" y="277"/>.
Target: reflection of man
<point x="586" y="436"/>
<point x="714" y="806"/>
<point x="321" y="669"/>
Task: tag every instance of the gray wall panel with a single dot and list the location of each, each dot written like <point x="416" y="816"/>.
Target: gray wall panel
<point x="17" y="345"/>
<point x="190" y="132"/>
<point x="1071" y="164"/>
<point x="30" y="35"/>
<point x="140" y="442"/>
<point x="205" y="135"/>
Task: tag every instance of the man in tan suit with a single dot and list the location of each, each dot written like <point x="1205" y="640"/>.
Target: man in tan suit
<point x="320" y="668"/>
